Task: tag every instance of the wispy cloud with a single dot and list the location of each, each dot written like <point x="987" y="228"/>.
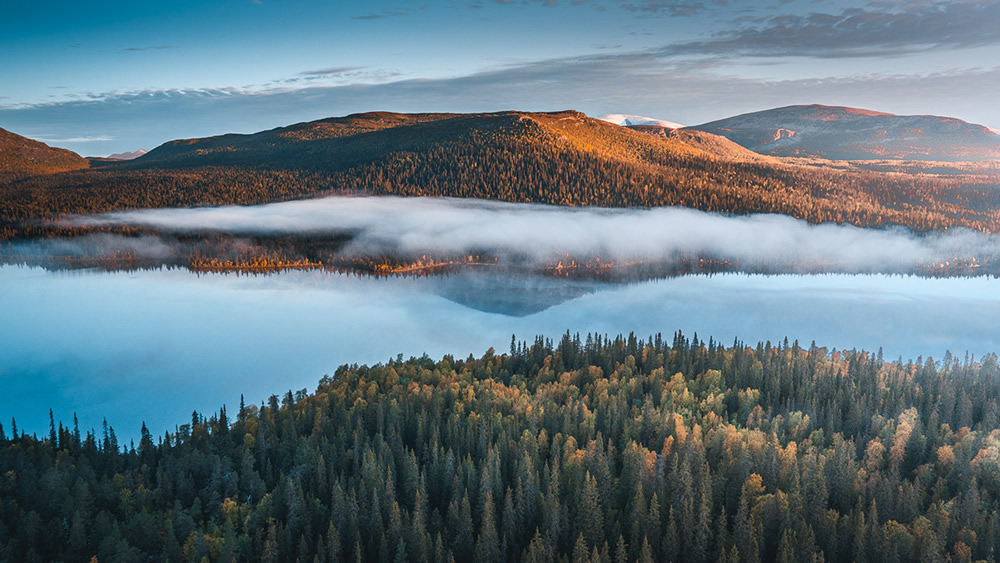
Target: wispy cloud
<point x="879" y="29"/>
<point x="341" y="74"/>
<point x="381" y="14"/>
<point x="150" y="48"/>
<point x="823" y="29"/>
<point x="677" y="8"/>
<point x="95" y="139"/>
<point x="331" y="71"/>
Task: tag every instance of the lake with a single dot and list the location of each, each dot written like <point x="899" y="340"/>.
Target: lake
<point x="154" y="345"/>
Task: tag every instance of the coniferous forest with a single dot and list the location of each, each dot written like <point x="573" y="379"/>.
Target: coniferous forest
<point x="586" y="449"/>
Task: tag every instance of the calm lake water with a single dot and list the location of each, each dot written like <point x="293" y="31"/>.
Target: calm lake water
<point x="154" y="345"/>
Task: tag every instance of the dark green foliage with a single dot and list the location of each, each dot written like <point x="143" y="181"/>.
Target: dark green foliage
<point x="616" y="449"/>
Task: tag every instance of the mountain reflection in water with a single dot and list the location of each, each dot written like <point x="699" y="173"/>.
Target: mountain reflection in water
<point x="153" y="345"/>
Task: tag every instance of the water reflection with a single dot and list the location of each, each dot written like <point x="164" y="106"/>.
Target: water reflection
<point x="155" y="345"/>
<point x="512" y="296"/>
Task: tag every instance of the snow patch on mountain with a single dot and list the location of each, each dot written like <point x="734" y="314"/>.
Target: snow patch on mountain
<point x="128" y="155"/>
<point x="626" y="120"/>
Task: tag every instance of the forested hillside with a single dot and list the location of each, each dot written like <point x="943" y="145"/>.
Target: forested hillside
<point x="21" y="157"/>
<point x="593" y="449"/>
<point x="559" y="158"/>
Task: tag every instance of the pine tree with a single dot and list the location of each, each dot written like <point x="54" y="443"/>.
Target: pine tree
<point x="552" y="517"/>
<point x="786" y="549"/>
<point x="333" y="549"/>
<point x="537" y="551"/>
<point x="671" y="541"/>
<point x="653" y="528"/>
<point x="703" y="523"/>
<point x="646" y="554"/>
<point x="637" y="525"/>
<point x="439" y="550"/>
<point x="416" y="537"/>
<point x="400" y="556"/>
<point x="462" y="546"/>
<point x="53" y="437"/>
<point x="590" y="519"/>
<point x="721" y="535"/>
<point x="270" y="552"/>
<point x="580" y="550"/>
<point x="488" y="545"/>
<point x="621" y="551"/>
<point x="511" y="526"/>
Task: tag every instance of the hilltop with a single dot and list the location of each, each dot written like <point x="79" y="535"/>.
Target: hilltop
<point x="340" y="142"/>
<point x="857" y="134"/>
<point x="21" y="157"/>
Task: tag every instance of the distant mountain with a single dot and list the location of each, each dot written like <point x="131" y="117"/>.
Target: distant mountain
<point x="128" y="155"/>
<point x="21" y="157"/>
<point x="630" y="120"/>
<point x="857" y="134"/>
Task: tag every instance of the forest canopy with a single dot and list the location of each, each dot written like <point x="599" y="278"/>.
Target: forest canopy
<point x="585" y="449"/>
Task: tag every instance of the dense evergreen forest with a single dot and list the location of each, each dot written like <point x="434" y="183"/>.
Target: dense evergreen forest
<point x="561" y="158"/>
<point x="588" y="449"/>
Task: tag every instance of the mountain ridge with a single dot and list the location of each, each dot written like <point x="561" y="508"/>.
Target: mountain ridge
<point x="383" y="132"/>
<point x="846" y="133"/>
<point x="22" y="157"/>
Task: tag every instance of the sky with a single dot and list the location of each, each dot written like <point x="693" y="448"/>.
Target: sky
<point x="115" y="76"/>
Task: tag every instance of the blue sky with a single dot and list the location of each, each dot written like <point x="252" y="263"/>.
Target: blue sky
<point x="116" y="76"/>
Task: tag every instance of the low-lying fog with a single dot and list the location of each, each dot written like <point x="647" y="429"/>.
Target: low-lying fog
<point x="543" y="232"/>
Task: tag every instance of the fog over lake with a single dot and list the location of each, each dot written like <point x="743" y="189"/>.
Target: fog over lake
<point x="546" y="232"/>
<point x="154" y="345"/>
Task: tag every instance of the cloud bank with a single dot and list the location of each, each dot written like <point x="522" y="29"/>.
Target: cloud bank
<point x="878" y="29"/>
<point x="545" y="233"/>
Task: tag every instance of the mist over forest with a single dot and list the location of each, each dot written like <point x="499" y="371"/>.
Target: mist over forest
<point x="536" y="234"/>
